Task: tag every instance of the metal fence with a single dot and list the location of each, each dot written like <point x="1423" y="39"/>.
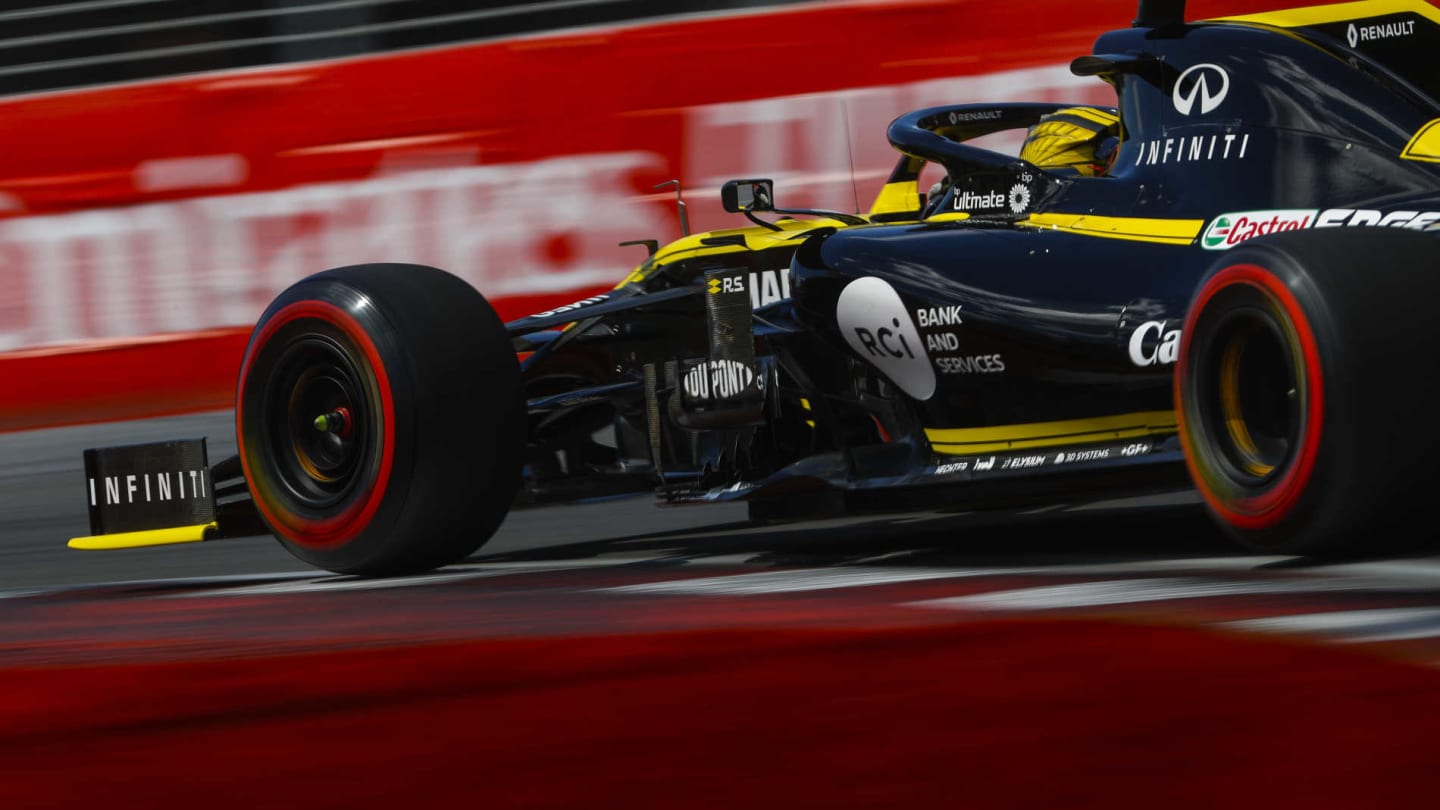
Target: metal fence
<point x="57" y="44"/>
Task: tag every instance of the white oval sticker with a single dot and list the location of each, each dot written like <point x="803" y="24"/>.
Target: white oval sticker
<point x="875" y="323"/>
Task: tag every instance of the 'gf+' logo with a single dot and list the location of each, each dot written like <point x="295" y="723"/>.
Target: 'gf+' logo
<point x="1209" y="86"/>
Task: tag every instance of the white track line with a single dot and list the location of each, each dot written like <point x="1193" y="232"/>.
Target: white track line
<point x="17" y="594"/>
<point x="444" y="575"/>
<point x="1177" y="565"/>
<point x="1131" y="591"/>
<point x="815" y="579"/>
<point x="806" y="579"/>
<point x="1421" y="571"/>
<point x="176" y="582"/>
<point x="1353" y="626"/>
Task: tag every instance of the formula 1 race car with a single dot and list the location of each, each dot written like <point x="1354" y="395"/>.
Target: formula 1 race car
<point x="1230" y="289"/>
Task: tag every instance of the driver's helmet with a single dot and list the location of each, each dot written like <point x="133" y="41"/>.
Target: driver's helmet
<point x="1082" y="140"/>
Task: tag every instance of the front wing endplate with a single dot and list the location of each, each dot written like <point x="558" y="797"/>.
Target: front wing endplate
<point x="148" y="537"/>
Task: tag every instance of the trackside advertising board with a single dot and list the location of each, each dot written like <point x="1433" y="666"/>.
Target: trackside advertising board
<point x="144" y="227"/>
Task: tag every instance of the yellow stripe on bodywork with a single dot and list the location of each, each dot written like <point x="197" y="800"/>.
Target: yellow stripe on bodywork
<point x="149" y="537"/>
<point x="1336" y="12"/>
<point x="1164" y="231"/>
<point x="1425" y="145"/>
<point x="757" y="238"/>
<point x="965" y="441"/>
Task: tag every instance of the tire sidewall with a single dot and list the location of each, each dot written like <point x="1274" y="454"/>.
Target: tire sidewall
<point x="336" y="543"/>
<point x="1269" y="283"/>
<point x="1365" y="296"/>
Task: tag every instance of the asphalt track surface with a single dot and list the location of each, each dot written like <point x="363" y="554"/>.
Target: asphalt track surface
<point x="629" y="565"/>
<point x="1111" y="654"/>
<point x="42" y="505"/>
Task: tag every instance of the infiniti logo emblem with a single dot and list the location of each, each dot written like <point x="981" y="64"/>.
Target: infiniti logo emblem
<point x="1207" y="83"/>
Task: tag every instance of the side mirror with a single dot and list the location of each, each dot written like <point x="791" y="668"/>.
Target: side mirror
<point x="740" y="196"/>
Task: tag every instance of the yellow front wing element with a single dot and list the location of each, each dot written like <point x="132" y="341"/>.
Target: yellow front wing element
<point x="1136" y="229"/>
<point x="967" y="441"/>
<point x="1425" y="145"/>
<point x="149" y="537"/>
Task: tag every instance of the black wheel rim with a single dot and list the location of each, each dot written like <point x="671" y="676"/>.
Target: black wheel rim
<point x="1253" y="409"/>
<point x="316" y="376"/>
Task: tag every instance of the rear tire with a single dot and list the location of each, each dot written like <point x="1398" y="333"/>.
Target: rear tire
<point x="419" y="459"/>
<point x="1304" y="390"/>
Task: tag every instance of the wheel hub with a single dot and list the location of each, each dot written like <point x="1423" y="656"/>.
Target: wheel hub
<point x="320" y="434"/>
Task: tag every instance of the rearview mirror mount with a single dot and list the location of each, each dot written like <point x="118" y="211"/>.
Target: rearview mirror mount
<point x="745" y="196"/>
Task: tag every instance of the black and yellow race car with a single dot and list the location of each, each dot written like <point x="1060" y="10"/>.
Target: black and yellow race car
<point x="1223" y="281"/>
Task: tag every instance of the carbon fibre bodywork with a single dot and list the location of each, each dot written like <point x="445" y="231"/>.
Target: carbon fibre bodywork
<point x="1026" y="322"/>
<point x="1221" y="296"/>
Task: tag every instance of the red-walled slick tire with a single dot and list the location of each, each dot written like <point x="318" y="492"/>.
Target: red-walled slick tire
<point x="380" y="420"/>
<point x="1304" y="387"/>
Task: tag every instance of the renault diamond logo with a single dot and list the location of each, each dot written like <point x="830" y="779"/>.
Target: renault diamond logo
<point x="1207" y="83"/>
<point x="1351" y="35"/>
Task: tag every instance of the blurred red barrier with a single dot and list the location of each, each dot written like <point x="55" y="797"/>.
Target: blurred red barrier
<point x="1018" y="714"/>
<point x="162" y="375"/>
<point x="183" y="206"/>
<point x="166" y="375"/>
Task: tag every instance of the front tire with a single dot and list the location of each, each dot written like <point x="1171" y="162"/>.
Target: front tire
<point x="1304" y="389"/>
<point x="380" y="420"/>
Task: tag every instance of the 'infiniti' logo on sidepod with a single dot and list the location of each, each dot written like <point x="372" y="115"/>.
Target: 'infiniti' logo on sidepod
<point x="1207" y="83"/>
